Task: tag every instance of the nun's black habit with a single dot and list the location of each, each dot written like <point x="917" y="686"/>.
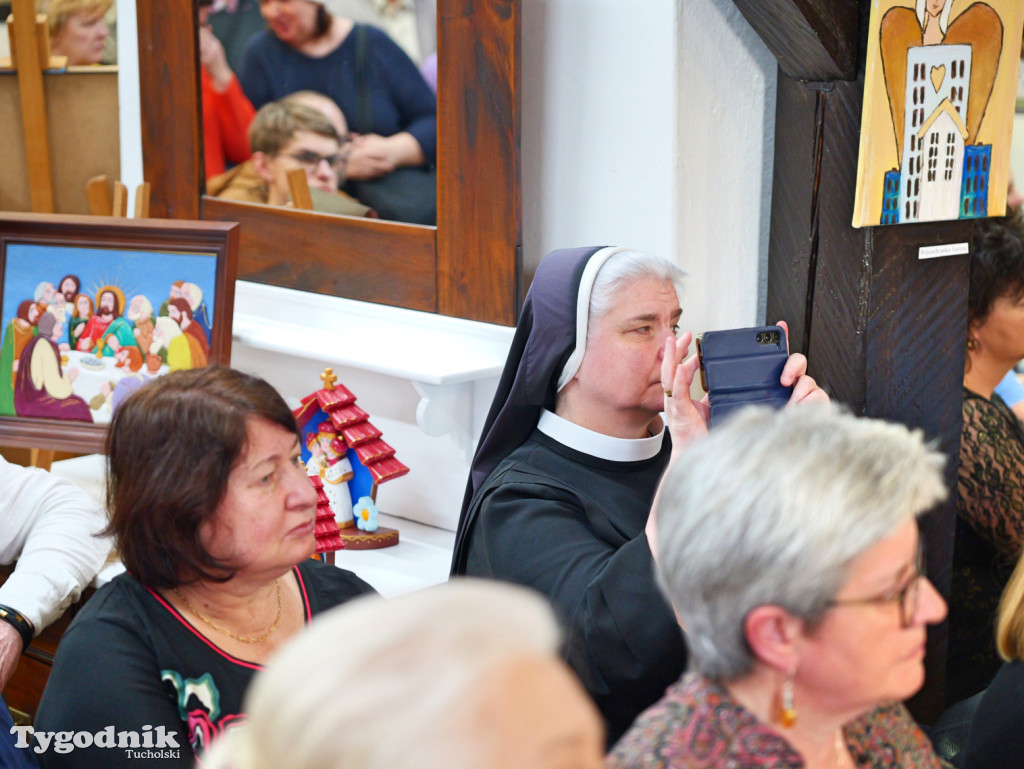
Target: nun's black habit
<point x="567" y="523"/>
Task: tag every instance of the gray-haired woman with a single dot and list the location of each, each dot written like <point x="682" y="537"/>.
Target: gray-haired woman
<point x="788" y="546"/>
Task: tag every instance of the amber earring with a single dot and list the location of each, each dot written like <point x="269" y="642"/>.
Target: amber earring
<point x="787" y="711"/>
<point x="972" y="344"/>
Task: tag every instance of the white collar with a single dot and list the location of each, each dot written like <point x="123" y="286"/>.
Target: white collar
<point x="597" y="444"/>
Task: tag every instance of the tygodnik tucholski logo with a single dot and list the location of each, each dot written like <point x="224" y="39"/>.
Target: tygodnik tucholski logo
<point x="149" y="743"/>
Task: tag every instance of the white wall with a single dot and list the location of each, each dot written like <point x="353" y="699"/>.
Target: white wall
<point x="652" y="125"/>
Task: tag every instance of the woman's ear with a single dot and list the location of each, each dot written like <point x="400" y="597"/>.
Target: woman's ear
<point x="772" y="634"/>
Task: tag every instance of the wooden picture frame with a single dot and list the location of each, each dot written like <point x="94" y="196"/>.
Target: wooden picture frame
<point x="468" y="266"/>
<point x="112" y="263"/>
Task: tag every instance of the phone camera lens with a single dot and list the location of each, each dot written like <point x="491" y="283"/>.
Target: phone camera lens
<point x="760" y="338"/>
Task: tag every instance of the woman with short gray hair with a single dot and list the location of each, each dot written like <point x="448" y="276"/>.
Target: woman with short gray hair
<point x="787" y="543"/>
<point x="561" y="485"/>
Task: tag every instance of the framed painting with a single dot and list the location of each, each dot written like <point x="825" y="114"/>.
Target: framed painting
<point x="940" y="90"/>
<point x="92" y="308"/>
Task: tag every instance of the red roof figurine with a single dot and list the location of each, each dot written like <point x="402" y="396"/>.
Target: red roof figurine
<point x="346" y="460"/>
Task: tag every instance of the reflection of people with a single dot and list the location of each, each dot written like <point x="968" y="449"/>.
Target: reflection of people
<point x="284" y="136"/>
<point x="990" y="505"/>
<point x="459" y="676"/>
<point x="412" y="24"/>
<point x="213" y="516"/>
<point x="41" y="387"/>
<point x="788" y="546"/>
<point x="48" y="526"/>
<point x="226" y="110"/>
<point x="77" y="28"/>
<point x="562" y="482"/>
<point x="379" y="89"/>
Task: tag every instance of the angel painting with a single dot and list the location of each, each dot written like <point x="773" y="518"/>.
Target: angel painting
<point x="938" y="106"/>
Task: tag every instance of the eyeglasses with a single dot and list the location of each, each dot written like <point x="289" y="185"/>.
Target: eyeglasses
<point x="906" y="596"/>
<point x="312" y="160"/>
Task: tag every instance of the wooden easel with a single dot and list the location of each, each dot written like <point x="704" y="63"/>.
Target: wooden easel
<point x="31" y="41"/>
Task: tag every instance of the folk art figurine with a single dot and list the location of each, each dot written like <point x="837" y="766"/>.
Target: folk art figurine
<point x="346" y="461"/>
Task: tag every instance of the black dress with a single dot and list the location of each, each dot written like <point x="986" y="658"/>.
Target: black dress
<point x="571" y="525"/>
<point x="989" y="531"/>
<point x="996" y="738"/>
<point x="130" y="663"/>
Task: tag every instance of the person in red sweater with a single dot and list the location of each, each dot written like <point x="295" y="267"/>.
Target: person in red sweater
<point x="226" y="110"/>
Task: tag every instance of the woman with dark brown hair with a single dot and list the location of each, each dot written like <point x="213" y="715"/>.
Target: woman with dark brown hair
<point x="990" y="505"/>
<point x="214" y="520"/>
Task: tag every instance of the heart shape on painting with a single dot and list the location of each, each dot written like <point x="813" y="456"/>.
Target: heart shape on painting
<point x="938" y="75"/>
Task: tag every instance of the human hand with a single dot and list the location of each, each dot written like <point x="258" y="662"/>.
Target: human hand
<point x="370" y="157"/>
<point x="10" y="652"/>
<point x="686" y="418"/>
<point x="794" y="373"/>
<point x="214" y="60"/>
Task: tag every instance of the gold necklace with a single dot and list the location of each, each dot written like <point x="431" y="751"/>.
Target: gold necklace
<point x="244" y="639"/>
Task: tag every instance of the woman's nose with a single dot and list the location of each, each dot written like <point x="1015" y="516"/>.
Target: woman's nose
<point x="931" y="607"/>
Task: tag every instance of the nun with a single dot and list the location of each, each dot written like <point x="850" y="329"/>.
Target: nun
<point x="592" y="404"/>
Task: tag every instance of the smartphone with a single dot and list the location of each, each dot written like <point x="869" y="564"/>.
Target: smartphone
<point x="741" y="367"/>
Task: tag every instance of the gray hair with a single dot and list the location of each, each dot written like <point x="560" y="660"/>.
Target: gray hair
<point x="771" y="508"/>
<point x="387" y="684"/>
<point x="615" y="268"/>
<point x="623" y="268"/>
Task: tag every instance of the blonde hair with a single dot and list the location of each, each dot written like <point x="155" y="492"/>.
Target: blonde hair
<point x="1010" y="624"/>
<point x="57" y="11"/>
<point x="278" y="121"/>
<point x="387" y="684"/>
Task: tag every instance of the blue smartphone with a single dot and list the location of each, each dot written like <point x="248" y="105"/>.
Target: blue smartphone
<point x="741" y="367"/>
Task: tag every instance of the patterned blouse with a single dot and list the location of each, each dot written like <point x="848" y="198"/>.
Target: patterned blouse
<point x="697" y="725"/>
<point x="989" y="530"/>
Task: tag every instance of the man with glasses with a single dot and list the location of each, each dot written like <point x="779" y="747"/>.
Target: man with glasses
<point x="286" y="135"/>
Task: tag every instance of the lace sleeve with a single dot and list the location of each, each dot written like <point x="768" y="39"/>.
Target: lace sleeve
<point x="991" y="474"/>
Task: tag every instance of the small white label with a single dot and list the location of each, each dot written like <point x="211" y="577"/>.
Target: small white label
<point x="946" y="249"/>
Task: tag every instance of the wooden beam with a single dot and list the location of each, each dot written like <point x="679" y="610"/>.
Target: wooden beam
<point x="171" y="135"/>
<point x="884" y="331"/>
<point x="479" y="201"/>
<point x="33" y="107"/>
<point x="813" y="40"/>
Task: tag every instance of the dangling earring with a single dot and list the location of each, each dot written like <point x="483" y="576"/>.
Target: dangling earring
<point x="972" y="344"/>
<point x="787" y="711"/>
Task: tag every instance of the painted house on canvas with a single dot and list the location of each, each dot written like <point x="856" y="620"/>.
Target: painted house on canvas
<point x="939" y="95"/>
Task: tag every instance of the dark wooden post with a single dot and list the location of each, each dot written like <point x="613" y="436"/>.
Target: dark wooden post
<point x="883" y="330"/>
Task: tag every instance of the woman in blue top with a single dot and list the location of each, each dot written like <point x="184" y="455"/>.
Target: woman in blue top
<point x="388" y="105"/>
